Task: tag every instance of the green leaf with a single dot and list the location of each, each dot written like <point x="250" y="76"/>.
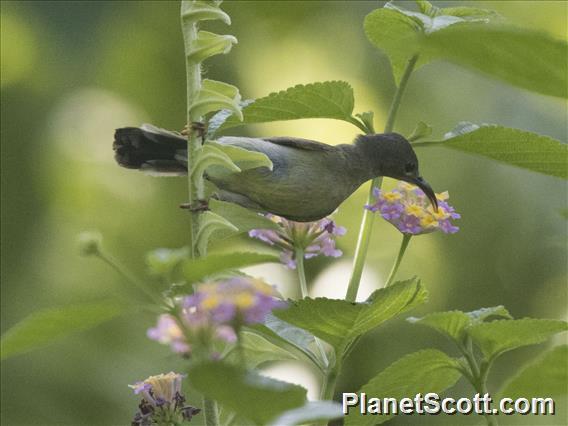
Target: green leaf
<point x="46" y="326"/>
<point x="162" y="261"/>
<point x="199" y="269"/>
<point x="451" y="324"/>
<point x="524" y="58"/>
<point x="242" y="218"/>
<point x="259" y="350"/>
<point x="512" y="146"/>
<point x="209" y="44"/>
<point x="214" y="96"/>
<point x="311" y="412"/>
<point x="421" y="372"/>
<point x="210" y="223"/>
<point x="494" y="338"/>
<point x="339" y="322"/>
<point x="394" y="33"/>
<point x="330" y="99"/>
<point x="455" y="323"/>
<point x="398" y="31"/>
<point x="248" y="394"/>
<point x="547" y="376"/>
<point x="281" y="332"/>
<point x="243" y="158"/>
<point x="420" y="131"/>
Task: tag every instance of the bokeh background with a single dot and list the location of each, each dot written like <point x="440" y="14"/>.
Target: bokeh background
<point x="71" y="72"/>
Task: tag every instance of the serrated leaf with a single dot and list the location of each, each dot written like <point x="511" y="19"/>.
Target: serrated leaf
<point x="162" y="261"/>
<point x="420" y="131"/>
<point x="195" y="11"/>
<point x="215" y="96"/>
<point x="494" y="338"/>
<point x="455" y="323"/>
<point x="199" y="269"/>
<point x="528" y="59"/>
<point x="209" y="223"/>
<point x="339" y="322"/>
<point x="48" y="325"/>
<point x="208" y="45"/>
<point x="311" y="412"/>
<point x="547" y="376"/>
<point x="421" y="372"/>
<point x="330" y="99"/>
<point x="258" y="350"/>
<point x="250" y="395"/>
<point x="512" y="146"/>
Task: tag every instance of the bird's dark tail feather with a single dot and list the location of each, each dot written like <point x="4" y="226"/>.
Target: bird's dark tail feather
<point x="150" y="149"/>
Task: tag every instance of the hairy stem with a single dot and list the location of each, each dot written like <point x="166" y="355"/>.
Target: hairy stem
<point x="367" y="221"/>
<point x="193" y="81"/>
<point x="304" y="293"/>
<point x="210" y="412"/>
<point x="405" y="240"/>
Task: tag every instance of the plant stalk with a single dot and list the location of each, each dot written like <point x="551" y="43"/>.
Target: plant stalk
<point x="405" y="240"/>
<point x="367" y="221"/>
<point x="210" y="412"/>
<point x="304" y="292"/>
<point x="193" y="81"/>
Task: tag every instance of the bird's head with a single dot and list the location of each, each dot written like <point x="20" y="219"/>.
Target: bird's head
<point x="390" y="154"/>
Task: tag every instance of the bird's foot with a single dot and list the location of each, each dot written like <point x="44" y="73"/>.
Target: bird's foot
<point x="199" y="206"/>
<point x="197" y="127"/>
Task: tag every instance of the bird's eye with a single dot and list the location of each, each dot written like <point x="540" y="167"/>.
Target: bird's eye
<point x="409" y="167"/>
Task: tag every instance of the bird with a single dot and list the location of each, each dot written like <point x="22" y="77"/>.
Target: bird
<point x="308" y="180"/>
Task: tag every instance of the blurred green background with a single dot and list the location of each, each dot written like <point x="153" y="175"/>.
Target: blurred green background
<point x="74" y="71"/>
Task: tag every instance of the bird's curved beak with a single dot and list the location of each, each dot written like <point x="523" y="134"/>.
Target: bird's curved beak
<point x="425" y="186"/>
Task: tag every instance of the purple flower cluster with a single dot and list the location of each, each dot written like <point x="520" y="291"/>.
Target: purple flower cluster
<point x="409" y="210"/>
<point x="162" y="401"/>
<point x="215" y="310"/>
<point x="313" y="238"/>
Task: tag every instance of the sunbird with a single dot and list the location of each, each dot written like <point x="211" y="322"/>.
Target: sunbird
<point x="308" y="181"/>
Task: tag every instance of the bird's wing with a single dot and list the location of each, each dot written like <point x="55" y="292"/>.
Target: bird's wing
<point x="299" y="143"/>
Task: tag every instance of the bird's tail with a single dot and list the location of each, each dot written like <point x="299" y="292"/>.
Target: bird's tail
<point x="150" y="149"/>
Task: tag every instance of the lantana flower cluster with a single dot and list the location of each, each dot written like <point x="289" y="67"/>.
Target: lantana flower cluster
<point x="162" y="401"/>
<point x="215" y="312"/>
<point x="313" y="238"/>
<point x="409" y="210"/>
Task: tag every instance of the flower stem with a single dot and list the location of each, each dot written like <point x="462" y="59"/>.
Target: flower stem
<point x="367" y="221"/>
<point x="405" y="240"/>
<point x="304" y="292"/>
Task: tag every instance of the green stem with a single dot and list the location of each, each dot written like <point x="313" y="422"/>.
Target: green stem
<point x="114" y="264"/>
<point x="210" y="412"/>
<point x="367" y="221"/>
<point x="304" y="292"/>
<point x="193" y="80"/>
<point x="405" y="240"/>
<point x="329" y="382"/>
<point x="479" y="376"/>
